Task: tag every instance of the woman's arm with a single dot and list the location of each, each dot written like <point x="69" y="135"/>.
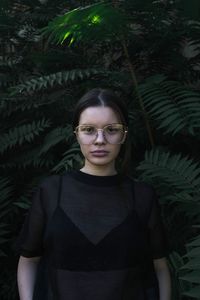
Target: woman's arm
<point x="26" y="275"/>
<point x="163" y="276"/>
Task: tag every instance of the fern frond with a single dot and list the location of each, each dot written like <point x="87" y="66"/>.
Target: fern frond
<point x="192" y="268"/>
<point x="18" y="103"/>
<point x="55" y="136"/>
<point x="5" y="80"/>
<point x="36" y="161"/>
<point x="31" y="158"/>
<point x="59" y="78"/>
<point x="19" y="135"/>
<point x="187" y="203"/>
<point x="71" y="157"/>
<point x="5" y="208"/>
<point x="29" y="161"/>
<point x="24" y="201"/>
<point x="10" y="61"/>
<point x="178" y="171"/>
<point x="175" y="108"/>
<point x="176" y="261"/>
<point x="5" y="191"/>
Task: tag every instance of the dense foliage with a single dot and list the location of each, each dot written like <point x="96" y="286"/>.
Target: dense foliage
<point x="147" y="51"/>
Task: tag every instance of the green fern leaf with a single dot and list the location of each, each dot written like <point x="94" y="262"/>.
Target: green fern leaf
<point x="6" y="190"/>
<point x="193" y="253"/>
<point x="30" y="158"/>
<point x="186" y="203"/>
<point x="21" y="134"/>
<point x="194" y="293"/>
<point x="46" y="81"/>
<point x="174" y="108"/>
<point x="55" y="136"/>
<point x="5" y="208"/>
<point x="71" y="156"/>
<point x="193" y="264"/>
<point x="195" y="242"/>
<point x="193" y="269"/>
<point x="179" y="172"/>
<point x="192" y="277"/>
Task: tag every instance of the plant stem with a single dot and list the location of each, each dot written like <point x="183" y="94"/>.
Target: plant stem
<point x="135" y="83"/>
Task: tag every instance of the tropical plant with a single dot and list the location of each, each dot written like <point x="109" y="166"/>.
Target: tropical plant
<point x="177" y="179"/>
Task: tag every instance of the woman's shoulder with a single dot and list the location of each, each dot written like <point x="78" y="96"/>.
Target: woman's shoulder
<point x="141" y="187"/>
<point x="144" y="196"/>
<point x="47" y="192"/>
<point x="53" y="180"/>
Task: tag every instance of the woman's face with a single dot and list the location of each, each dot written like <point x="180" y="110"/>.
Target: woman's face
<point x="100" y="154"/>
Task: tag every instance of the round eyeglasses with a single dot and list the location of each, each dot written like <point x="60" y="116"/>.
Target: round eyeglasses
<point x="112" y="133"/>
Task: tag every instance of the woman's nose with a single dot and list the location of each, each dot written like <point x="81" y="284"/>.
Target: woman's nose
<point x="100" y="137"/>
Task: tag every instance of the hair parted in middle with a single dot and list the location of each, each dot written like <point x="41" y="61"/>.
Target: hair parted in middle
<point x="98" y="97"/>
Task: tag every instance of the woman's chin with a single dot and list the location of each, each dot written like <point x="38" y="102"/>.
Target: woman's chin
<point x="100" y="161"/>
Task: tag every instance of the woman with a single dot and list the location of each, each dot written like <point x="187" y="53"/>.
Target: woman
<point x="98" y="232"/>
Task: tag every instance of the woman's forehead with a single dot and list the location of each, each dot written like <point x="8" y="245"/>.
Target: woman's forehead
<point x="98" y="115"/>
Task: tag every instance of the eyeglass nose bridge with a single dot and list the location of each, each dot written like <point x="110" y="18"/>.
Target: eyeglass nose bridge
<point x="97" y="134"/>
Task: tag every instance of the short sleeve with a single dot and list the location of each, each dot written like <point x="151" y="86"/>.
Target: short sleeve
<point x="30" y="242"/>
<point x="149" y="212"/>
<point x="158" y="241"/>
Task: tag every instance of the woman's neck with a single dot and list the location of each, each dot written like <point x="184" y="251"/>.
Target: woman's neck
<point x="99" y="170"/>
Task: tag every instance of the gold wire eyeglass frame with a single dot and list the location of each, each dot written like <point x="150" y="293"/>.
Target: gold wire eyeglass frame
<point x="124" y="128"/>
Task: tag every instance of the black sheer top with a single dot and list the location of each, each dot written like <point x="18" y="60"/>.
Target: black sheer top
<point x="97" y="235"/>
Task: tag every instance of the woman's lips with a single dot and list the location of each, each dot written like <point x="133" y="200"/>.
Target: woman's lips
<point x="99" y="153"/>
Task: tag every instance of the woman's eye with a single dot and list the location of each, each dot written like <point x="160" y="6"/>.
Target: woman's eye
<point x="88" y="129"/>
<point x="112" y="130"/>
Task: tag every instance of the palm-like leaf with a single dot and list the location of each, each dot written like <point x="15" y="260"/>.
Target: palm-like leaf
<point x="93" y="22"/>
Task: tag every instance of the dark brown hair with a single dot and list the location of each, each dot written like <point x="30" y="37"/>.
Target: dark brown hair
<point x="104" y="97"/>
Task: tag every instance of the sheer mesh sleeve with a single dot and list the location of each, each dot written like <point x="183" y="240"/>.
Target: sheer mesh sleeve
<point x="149" y="212"/>
<point x="31" y="236"/>
<point x="156" y="229"/>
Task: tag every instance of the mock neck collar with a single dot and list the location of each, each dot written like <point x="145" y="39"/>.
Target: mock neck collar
<point x="97" y="180"/>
